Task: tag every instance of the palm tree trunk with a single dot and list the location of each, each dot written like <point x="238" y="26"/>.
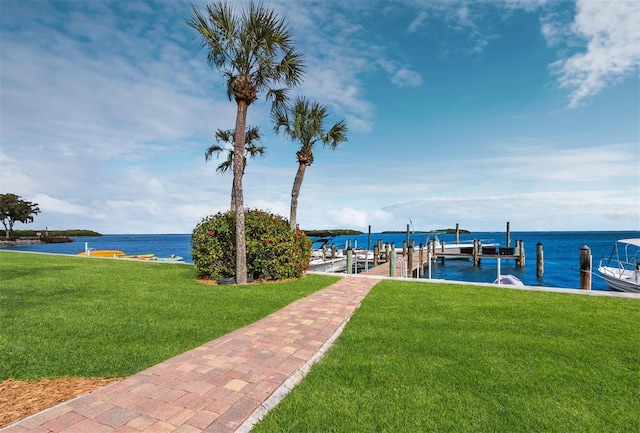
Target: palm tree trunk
<point x="238" y="171"/>
<point x="233" y="197"/>
<point x="295" y="192"/>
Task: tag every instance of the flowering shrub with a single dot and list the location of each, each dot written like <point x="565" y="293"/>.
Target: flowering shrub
<point x="274" y="251"/>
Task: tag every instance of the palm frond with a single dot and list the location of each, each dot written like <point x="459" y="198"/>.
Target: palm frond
<point x="303" y="121"/>
<point x="255" y="44"/>
<point x="336" y="135"/>
<point x="212" y="150"/>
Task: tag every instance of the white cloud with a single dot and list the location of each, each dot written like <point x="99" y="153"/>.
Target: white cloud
<point x="348" y="217"/>
<point x="58" y="206"/>
<point x="276" y="207"/>
<point x="603" y="164"/>
<point x="560" y="210"/>
<point x="405" y="77"/>
<point x="329" y="87"/>
<point x="612" y="30"/>
<point x="417" y="22"/>
<point x="527" y="5"/>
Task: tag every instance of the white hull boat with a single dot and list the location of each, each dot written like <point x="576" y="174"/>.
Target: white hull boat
<point x="322" y="261"/>
<point x="509" y="279"/>
<point x="461" y="247"/>
<point x="339" y="264"/>
<point x="621" y="270"/>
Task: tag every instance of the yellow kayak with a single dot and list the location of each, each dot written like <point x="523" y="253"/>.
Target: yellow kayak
<point x="102" y="253"/>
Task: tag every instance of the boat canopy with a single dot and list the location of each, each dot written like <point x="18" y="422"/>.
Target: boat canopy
<point x="635" y="241"/>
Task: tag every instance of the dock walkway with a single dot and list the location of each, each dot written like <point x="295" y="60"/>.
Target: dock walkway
<point x="226" y="385"/>
<point x="402" y="262"/>
<point x="383" y="270"/>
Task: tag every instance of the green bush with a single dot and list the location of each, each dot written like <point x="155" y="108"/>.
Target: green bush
<point x="274" y="251"/>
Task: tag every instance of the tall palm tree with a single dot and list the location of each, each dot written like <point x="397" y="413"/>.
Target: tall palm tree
<point x="304" y="122"/>
<point x="256" y="53"/>
<point x="226" y="137"/>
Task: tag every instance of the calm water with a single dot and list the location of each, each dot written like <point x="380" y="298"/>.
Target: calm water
<point x="561" y="253"/>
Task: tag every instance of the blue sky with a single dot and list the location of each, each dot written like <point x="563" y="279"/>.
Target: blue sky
<point x="475" y="113"/>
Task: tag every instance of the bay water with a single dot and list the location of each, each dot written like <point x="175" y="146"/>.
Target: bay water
<point x="561" y="252"/>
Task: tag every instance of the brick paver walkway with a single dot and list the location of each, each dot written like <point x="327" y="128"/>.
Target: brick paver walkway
<point x="226" y="385"/>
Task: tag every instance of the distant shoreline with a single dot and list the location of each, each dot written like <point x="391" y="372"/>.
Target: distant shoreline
<point x="4" y="242"/>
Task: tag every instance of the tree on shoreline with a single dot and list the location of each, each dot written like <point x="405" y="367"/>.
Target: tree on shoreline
<point x="251" y="149"/>
<point x="256" y="53"/>
<point x="13" y="209"/>
<point x="304" y="122"/>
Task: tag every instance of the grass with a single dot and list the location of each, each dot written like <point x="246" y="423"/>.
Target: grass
<point x="434" y="358"/>
<point x="72" y="316"/>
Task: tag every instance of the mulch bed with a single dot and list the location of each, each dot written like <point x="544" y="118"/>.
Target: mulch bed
<point x="19" y="399"/>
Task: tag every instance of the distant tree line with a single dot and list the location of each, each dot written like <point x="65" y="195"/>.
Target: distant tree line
<point x="50" y="233"/>
<point x="336" y="232"/>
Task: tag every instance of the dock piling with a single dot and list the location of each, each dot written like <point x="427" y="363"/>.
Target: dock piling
<point x="585" y="268"/>
<point x="539" y="260"/>
<point x="392" y="261"/>
<point x="410" y="260"/>
<point x="476" y="252"/>
<point x="520" y="253"/>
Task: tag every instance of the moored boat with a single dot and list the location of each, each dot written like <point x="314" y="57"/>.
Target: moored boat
<point x="509" y="279"/>
<point x="148" y="256"/>
<point x="621" y="270"/>
<point x="463" y="248"/>
<point x="171" y="258"/>
<point x="338" y="264"/>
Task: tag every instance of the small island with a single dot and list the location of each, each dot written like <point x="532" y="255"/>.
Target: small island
<point x="43" y="236"/>
<point x="331" y="233"/>
<point x="422" y="232"/>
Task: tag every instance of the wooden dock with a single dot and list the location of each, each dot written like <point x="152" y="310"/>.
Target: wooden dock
<point x="409" y="261"/>
<point x="401" y="270"/>
<point x="418" y="259"/>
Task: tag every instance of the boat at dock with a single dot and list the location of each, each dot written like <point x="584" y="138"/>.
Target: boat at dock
<point x="323" y="261"/>
<point x="509" y="279"/>
<point x="621" y="270"/>
<point x="457" y="250"/>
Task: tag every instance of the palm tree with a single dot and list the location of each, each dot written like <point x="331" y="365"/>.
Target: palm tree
<point x="251" y="149"/>
<point x="256" y="53"/>
<point x="304" y="122"/>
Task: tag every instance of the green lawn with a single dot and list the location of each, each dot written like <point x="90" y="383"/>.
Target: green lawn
<point x="448" y="358"/>
<point x="73" y="316"/>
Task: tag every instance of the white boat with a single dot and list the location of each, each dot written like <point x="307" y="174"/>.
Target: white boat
<point x="509" y="279"/>
<point x="621" y="270"/>
<point x="322" y="261"/>
<point x="338" y="264"/>
<point x="460" y="247"/>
